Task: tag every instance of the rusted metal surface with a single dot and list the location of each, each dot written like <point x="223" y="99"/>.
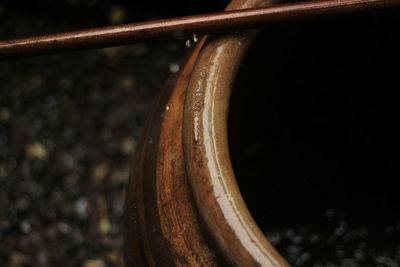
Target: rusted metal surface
<point x="163" y="224"/>
<point x="185" y="26"/>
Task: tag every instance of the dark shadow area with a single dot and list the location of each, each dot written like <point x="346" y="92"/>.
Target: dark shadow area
<point x="92" y="13"/>
<point x="314" y="139"/>
<point x="69" y="127"/>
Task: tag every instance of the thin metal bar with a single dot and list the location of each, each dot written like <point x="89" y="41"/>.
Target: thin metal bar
<point x="185" y="26"/>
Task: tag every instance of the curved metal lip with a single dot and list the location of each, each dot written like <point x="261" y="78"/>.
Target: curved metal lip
<point x="209" y="168"/>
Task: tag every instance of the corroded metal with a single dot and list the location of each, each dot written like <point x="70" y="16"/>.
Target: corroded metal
<point x="185" y="26"/>
<point x="169" y="200"/>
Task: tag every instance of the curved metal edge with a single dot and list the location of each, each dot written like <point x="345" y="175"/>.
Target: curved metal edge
<point x="161" y="219"/>
<point x="207" y="155"/>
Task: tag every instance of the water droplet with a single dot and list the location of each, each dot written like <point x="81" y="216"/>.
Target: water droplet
<point x="174" y="67"/>
<point x="188" y="43"/>
<point x="195" y="38"/>
<point x="167" y="108"/>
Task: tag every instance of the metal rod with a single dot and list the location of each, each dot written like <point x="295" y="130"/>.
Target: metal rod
<point x="185" y="26"/>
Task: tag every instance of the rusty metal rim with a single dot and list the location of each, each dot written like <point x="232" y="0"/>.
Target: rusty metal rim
<point x="207" y="158"/>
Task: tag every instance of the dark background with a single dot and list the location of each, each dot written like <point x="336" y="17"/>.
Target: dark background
<point x="69" y="125"/>
<point x="314" y="139"/>
<point x="322" y="100"/>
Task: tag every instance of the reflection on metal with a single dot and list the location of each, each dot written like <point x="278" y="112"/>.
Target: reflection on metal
<point x="185" y="27"/>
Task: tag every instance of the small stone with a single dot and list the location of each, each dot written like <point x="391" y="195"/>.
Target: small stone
<point x="22" y="204"/>
<point x="289" y="233"/>
<point x="17" y="259"/>
<point x="36" y="150"/>
<point x="114" y="257"/>
<point x="117" y="14"/>
<point x="69" y="161"/>
<point x="100" y="171"/>
<point x="94" y="263"/>
<point x="128" y="145"/>
<point x="64" y="228"/>
<point x="303" y="258"/>
<point x="81" y="207"/>
<point x="104" y="226"/>
<point x="70" y="180"/>
<point x="4" y="224"/>
<point x="105" y="134"/>
<point x="127" y="82"/>
<point x="25" y="227"/>
<point x="42" y="258"/>
<point x="314" y="238"/>
<point x="297" y="239"/>
<point x="120" y="176"/>
<point x="5" y="114"/>
<point x="275" y="238"/>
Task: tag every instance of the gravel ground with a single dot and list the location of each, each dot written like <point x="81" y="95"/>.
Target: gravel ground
<point x="69" y="125"/>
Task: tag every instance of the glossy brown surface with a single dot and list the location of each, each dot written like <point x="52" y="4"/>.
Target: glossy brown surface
<point x="217" y="195"/>
<point x="180" y="210"/>
<point x="186" y="26"/>
<point x="162" y="224"/>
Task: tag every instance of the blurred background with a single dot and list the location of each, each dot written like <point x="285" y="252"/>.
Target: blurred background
<point x="70" y="124"/>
